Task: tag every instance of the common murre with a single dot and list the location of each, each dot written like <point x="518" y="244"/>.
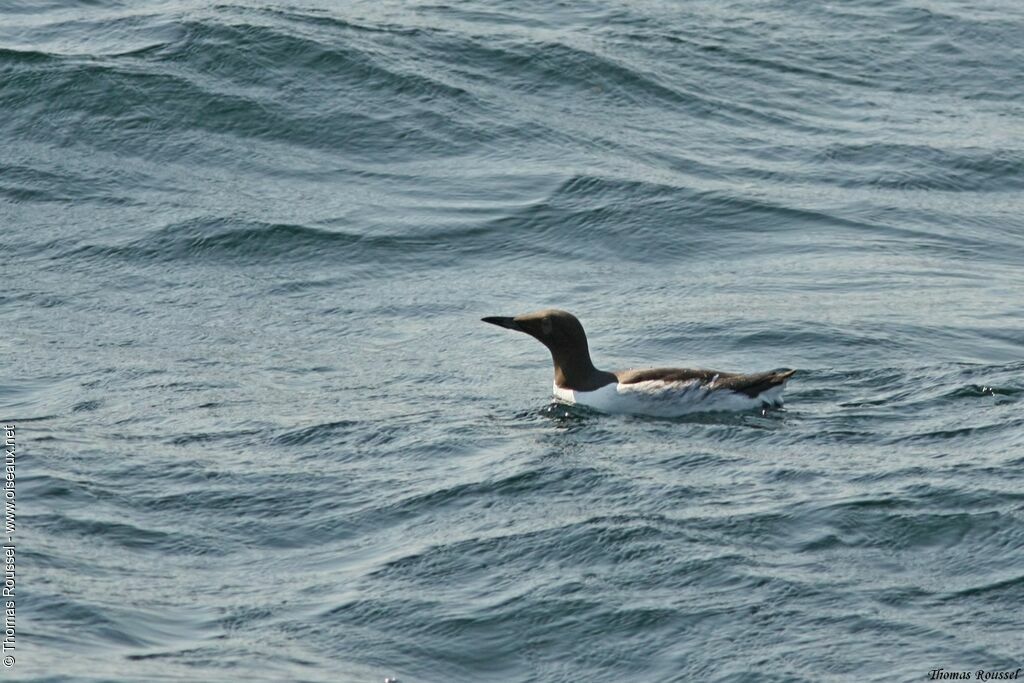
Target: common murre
<point x="664" y="392"/>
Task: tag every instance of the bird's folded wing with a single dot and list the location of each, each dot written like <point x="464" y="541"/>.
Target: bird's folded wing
<point x="752" y="385"/>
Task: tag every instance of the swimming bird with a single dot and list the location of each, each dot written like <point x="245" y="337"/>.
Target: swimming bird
<point x="664" y="392"/>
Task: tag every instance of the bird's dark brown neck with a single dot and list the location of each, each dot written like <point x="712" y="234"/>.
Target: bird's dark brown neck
<point x="577" y="372"/>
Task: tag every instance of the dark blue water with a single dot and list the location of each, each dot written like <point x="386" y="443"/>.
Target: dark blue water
<point x="263" y="435"/>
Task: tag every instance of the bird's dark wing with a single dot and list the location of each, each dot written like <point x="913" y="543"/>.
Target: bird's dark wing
<point x="751" y="385"/>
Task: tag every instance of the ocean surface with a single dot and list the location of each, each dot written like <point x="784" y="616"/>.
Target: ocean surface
<point x="262" y="434"/>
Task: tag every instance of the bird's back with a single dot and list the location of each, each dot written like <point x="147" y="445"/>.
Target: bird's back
<point x="671" y="392"/>
<point x="751" y="385"/>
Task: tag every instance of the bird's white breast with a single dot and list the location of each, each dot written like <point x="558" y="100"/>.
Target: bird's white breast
<point x="666" y="399"/>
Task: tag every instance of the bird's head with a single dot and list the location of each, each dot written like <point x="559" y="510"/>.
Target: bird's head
<point x="560" y="331"/>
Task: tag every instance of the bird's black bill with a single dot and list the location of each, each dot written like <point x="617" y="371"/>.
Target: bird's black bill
<point x="508" y="323"/>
